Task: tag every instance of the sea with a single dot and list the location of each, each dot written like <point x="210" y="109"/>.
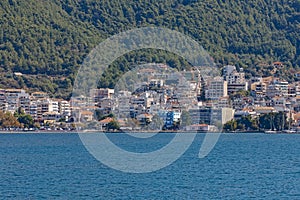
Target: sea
<point x="241" y="166"/>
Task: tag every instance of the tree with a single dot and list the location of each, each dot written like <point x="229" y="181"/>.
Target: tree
<point x="273" y="121"/>
<point x="28" y="46"/>
<point x="24" y="119"/>
<point x="19" y="112"/>
<point x="280" y="121"/>
<point x="98" y="114"/>
<point x="7" y="120"/>
<point x="185" y="119"/>
<point x="230" y="125"/>
<point x="265" y="121"/>
<point x="247" y="123"/>
<point x="113" y="125"/>
<point x="156" y="123"/>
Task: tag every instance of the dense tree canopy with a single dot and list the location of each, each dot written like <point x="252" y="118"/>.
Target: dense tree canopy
<point x="48" y="40"/>
<point x="24" y="119"/>
<point x="271" y="121"/>
<point x="7" y="120"/>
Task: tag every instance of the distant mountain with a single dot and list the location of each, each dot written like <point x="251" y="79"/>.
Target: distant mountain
<point x="47" y="40"/>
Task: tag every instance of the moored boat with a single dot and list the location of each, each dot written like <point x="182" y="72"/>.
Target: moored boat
<point x="270" y="132"/>
<point x="289" y="131"/>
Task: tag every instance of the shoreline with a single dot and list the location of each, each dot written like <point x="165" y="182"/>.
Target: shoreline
<point x="95" y="131"/>
<point x="36" y="132"/>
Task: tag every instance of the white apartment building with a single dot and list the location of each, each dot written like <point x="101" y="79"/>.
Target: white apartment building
<point x="277" y="88"/>
<point x="65" y="109"/>
<point x="46" y="105"/>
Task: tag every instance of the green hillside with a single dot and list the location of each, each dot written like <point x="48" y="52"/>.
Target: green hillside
<point x="48" y="40"/>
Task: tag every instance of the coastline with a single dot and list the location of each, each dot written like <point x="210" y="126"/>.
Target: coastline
<point x="37" y="132"/>
<point x="145" y="132"/>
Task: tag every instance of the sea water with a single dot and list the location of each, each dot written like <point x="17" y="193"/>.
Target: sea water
<point x="241" y="166"/>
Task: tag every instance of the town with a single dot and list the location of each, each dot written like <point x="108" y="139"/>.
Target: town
<point x="157" y="98"/>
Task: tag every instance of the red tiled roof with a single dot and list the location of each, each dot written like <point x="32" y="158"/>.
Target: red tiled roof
<point x="106" y="120"/>
<point x="86" y="113"/>
<point x="199" y="125"/>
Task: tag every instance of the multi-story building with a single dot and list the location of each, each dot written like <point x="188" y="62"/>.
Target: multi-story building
<point x="98" y="94"/>
<point x="3" y="102"/>
<point x="51" y="117"/>
<point x="156" y="83"/>
<point x="259" y="89"/>
<point x="227" y="71"/>
<point x="283" y="86"/>
<point x="255" y="80"/>
<point x="53" y="106"/>
<point x="193" y="77"/>
<point x="46" y="105"/>
<point x="211" y="116"/>
<point x="144" y="119"/>
<point x="216" y="88"/>
<point x="106" y="103"/>
<point x="277" y="88"/>
<point x="295" y="102"/>
<point x="65" y="109"/>
<point x="137" y="106"/>
<point x="39" y="95"/>
<point x="24" y="103"/>
<point x="292" y="90"/>
<point x="236" y="80"/>
<point x="236" y="77"/>
<point x="273" y="91"/>
<point x="123" y="104"/>
<point x="279" y="103"/>
<point x="223" y="102"/>
<point x="13" y="97"/>
<point x="236" y="87"/>
<point x="297" y="88"/>
<point x="240" y="102"/>
<point x="33" y="110"/>
<point x="172" y="117"/>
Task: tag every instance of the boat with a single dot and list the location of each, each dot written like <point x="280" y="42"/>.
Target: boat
<point x="289" y="131"/>
<point x="271" y="132"/>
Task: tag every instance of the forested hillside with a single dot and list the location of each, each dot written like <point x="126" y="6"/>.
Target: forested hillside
<point x="47" y="40"/>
